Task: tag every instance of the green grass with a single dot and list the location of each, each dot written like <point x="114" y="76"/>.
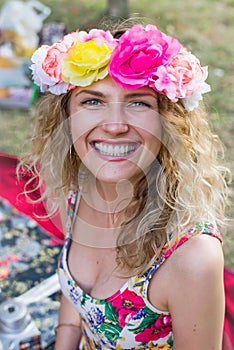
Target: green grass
<point x="204" y="26"/>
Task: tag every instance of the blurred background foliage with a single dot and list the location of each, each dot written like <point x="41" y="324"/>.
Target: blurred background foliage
<point x="205" y="26"/>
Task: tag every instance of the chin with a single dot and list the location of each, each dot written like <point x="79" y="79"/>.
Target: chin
<point x="112" y="174"/>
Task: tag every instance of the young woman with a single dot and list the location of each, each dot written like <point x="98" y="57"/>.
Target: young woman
<point x="122" y="133"/>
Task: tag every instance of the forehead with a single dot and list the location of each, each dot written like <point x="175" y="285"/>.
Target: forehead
<point x="109" y="88"/>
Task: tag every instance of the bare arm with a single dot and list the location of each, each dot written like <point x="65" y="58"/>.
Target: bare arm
<point x="196" y="301"/>
<point x="68" y="333"/>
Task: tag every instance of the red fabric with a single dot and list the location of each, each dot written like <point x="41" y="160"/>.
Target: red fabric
<point x="228" y="341"/>
<point x="11" y="189"/>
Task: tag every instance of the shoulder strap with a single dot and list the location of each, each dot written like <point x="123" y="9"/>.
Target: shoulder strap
<point x="72" y="206"/>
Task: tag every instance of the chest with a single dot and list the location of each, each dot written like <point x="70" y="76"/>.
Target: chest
<point x="94" y="270"/>
<point x="122" y="318"/>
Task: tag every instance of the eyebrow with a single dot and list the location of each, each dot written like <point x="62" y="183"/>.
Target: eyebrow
<point x="129" y="95"/>
<point x="139" y="94"/>
<point x="90" y="92"/>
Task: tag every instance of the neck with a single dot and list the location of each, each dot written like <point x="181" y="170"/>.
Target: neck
<point x="107" y="198"/>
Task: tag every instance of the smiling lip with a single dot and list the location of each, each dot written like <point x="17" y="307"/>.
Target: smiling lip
<point x="120" y="150"/>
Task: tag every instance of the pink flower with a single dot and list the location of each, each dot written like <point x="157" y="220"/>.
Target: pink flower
<point x="46" y="65"/>
<point x="188" y="72"/>
<point x="127" y="305"/>
<point x="182" y="78"/>
<point x="164" y="82"/>
<point x="100" y="37"/>
<point x="138" y="55"/>
<point x="40" y="77"/>
<point x="160" y="329"/>
<point x="52" y="64"/>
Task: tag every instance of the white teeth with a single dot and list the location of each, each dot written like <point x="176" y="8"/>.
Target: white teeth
<point x="114" y="151"/>
<point x="109" y="149"/>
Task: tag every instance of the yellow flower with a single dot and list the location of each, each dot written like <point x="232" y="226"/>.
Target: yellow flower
<point x="159" y="347"/>
<point x="118" y="347"/>
<point x="86" y="63"/>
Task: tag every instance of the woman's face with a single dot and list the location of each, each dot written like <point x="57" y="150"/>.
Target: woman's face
<point x="116" y="132"/>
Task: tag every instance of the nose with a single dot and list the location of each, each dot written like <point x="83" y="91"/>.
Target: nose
<point x="115" y="119"/>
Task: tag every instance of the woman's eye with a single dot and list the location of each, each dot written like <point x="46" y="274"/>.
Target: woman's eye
<point x="140" y="104"/>
<point x="91" y="102"/>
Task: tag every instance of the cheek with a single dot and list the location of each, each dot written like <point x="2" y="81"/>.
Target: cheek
<point x="152" y="136"/>
<point x="148" y="124"/>
<point x="80" y="125"/>
<point x="82" y="122"/>
<point x="79" y="148"/>
<point x="76" y="131"/>
<point x="152" y="146"/>
<point x="156" y="147"/>
<point x="78" y="134"/>
<point x="155" y="133"/>
<point x="151" y="132"/>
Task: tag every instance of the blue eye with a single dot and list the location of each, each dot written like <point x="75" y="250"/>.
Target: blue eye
<point x="91" y="102"/>
<point x="140" y="104"/>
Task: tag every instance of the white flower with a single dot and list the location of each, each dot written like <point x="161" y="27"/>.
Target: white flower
<point x="59" y="89"/>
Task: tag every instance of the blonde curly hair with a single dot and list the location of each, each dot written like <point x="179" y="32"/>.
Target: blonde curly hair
<point x="186" y="184"/>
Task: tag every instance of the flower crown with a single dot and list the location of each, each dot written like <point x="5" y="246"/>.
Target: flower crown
<point x="140" y="57"/>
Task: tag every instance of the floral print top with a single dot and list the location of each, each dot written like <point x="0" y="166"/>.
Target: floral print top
<point x="127" y="319"/>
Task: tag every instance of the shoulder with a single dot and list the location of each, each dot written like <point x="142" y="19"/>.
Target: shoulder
<point x="200" y="253"/>
<point x="192" y="260"/>
<point x="199" y="259"/>
<point x="196" y="273"/>
<point x="196" y="265"/>
<point x="197" y="296"/>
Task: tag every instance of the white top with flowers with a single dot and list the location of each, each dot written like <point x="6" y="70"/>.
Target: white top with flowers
<point x="126" y="320"/>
